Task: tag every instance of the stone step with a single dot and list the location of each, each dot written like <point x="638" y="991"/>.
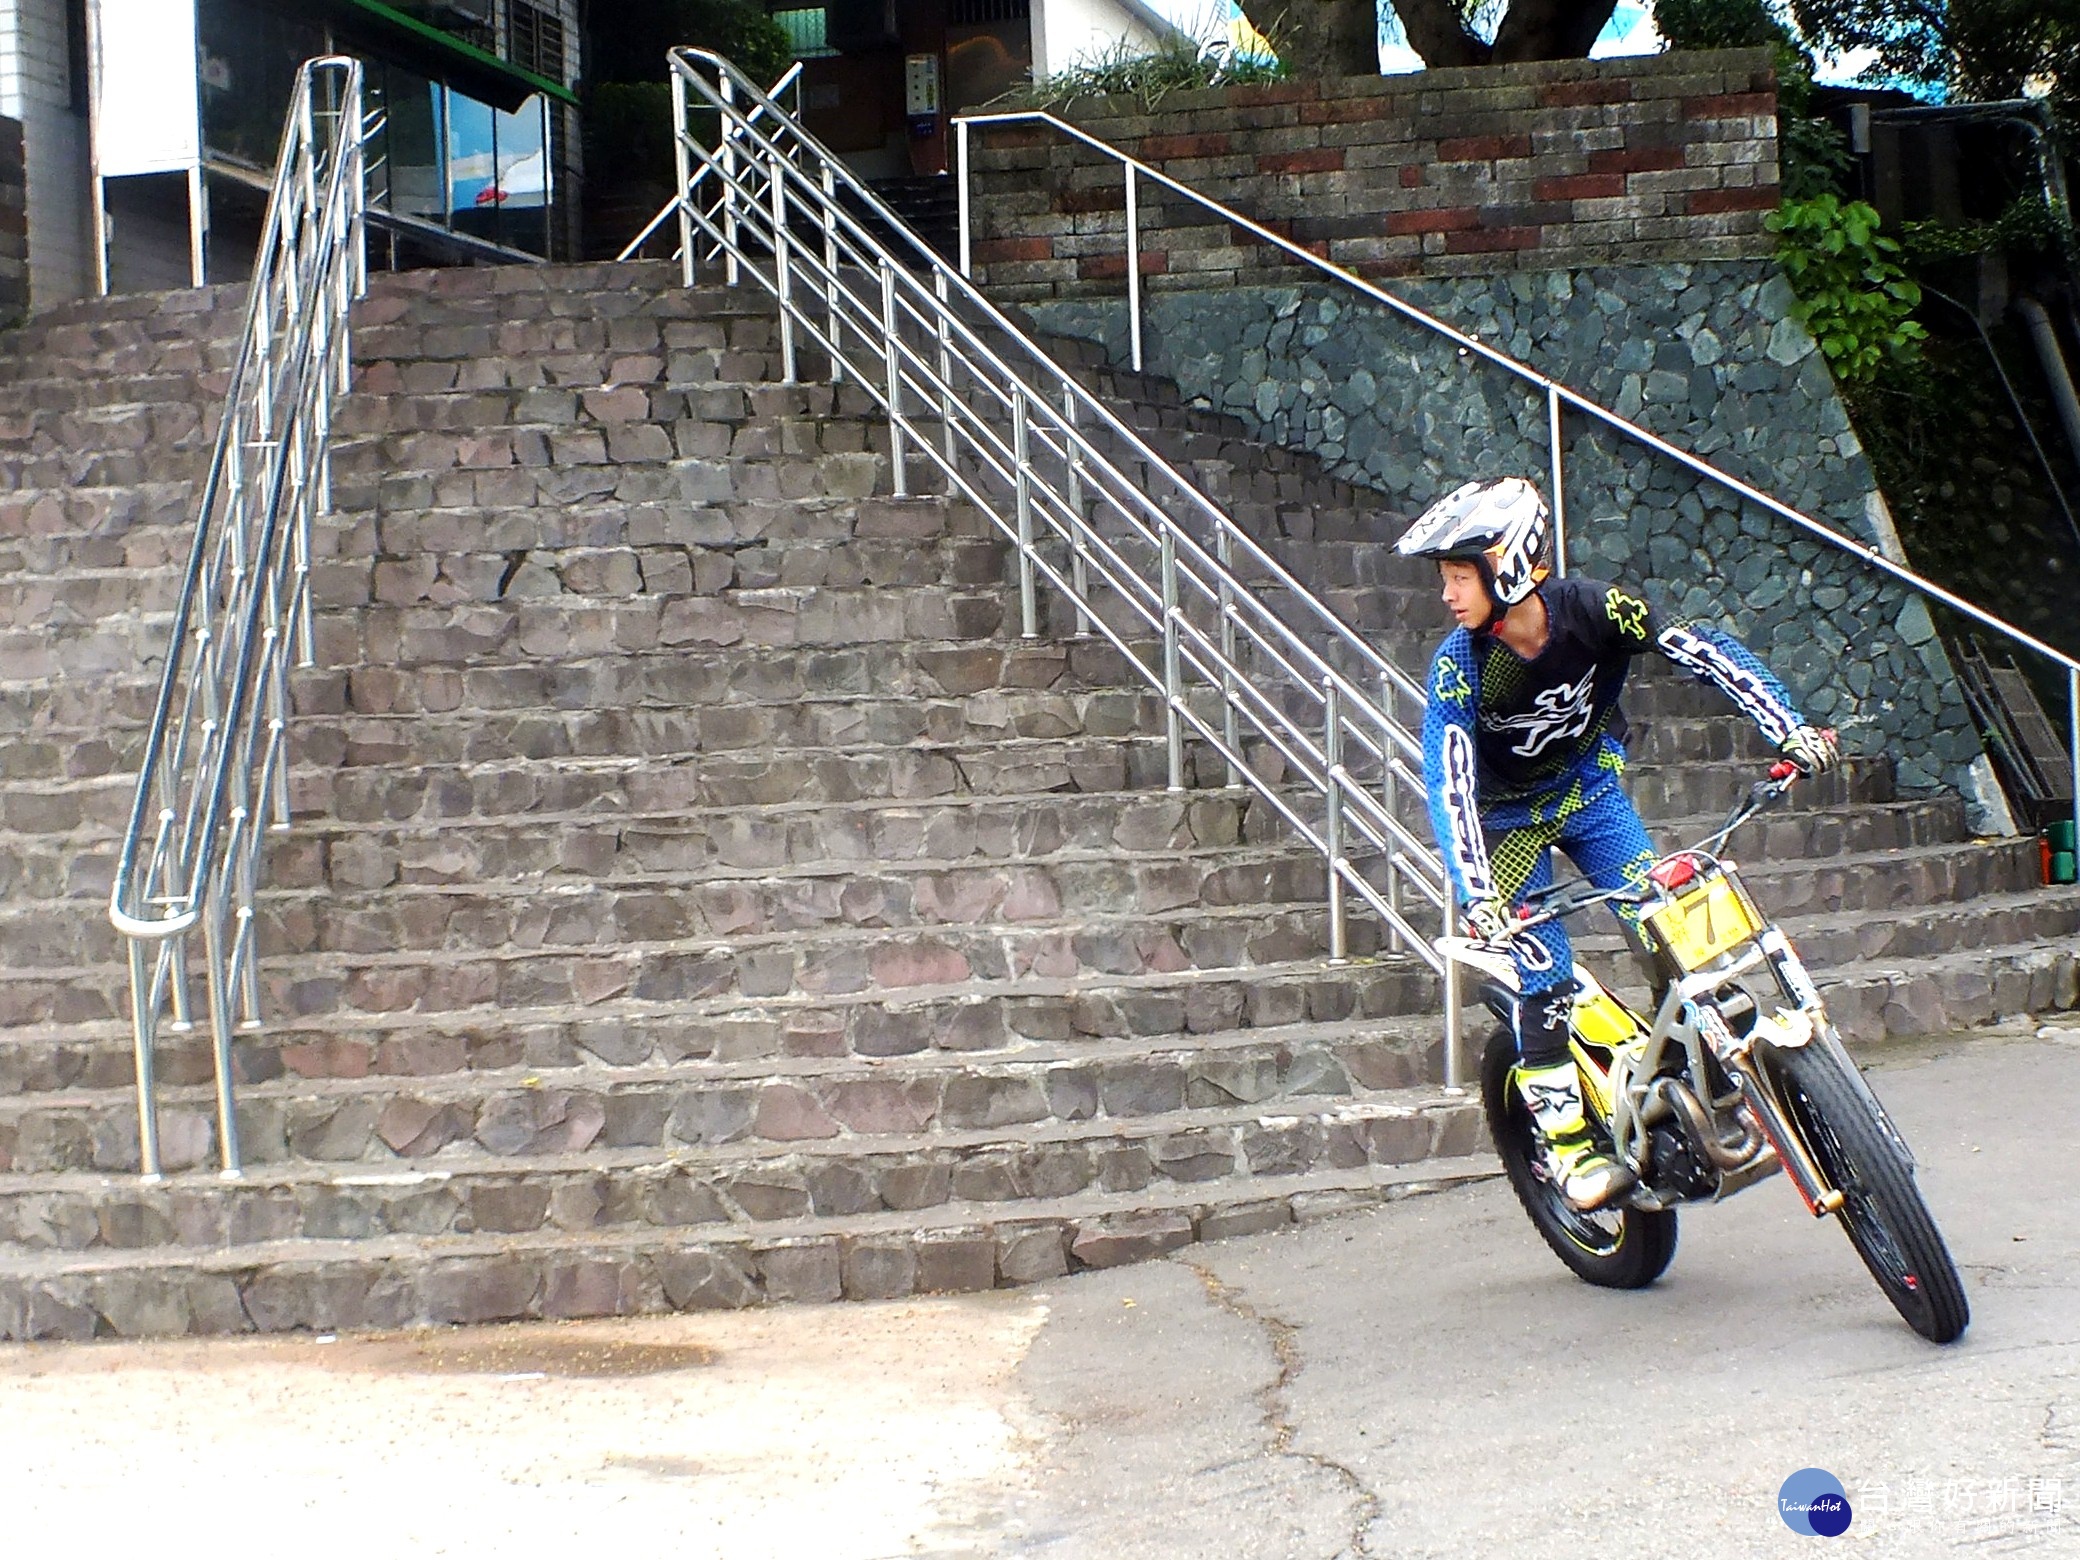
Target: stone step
<point x="1971" y="986"/>
<point x="603" y="1033"/>
<point x="402" y="1281"/>
<point x="700" y="1189"/>
<point x="110" y="516"/>
<point x="957" y="1100"/>
<point x="749" y="967"/>
<point x="178" y="426"/>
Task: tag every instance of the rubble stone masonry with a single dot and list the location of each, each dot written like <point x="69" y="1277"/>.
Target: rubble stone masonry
<point x="1541" y="167"/>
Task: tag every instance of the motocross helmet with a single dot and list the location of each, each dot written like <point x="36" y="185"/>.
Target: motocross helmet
<point x="1499" y="526"/>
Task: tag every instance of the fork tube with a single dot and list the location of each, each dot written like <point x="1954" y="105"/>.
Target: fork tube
<point x="1022" y="477"/>
<point x="1559" y="482"/>
<point x="898" y="474"/>
<point x="142" y="1018"/>
<point x="1172" y="680"/>
<point x="1332" y="750"/>
<point x="1231" y="732"/>
<point x="1133" y="270"/>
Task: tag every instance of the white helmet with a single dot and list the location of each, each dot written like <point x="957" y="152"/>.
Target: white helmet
<point x="1498" y="525"/>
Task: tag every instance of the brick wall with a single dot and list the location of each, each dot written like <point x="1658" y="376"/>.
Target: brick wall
<point x="14" y="225"/>
<point x="1541" y="167"/>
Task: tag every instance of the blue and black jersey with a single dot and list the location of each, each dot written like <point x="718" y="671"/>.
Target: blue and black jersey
<point x="1510" y="743"/>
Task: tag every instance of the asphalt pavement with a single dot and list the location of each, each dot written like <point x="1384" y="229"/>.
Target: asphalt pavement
<point x="1418" y="1380"/>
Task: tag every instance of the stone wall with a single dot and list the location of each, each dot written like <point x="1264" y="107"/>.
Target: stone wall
<point x="14" y="225"/>
<point x="1440" y="173"/>
<point x="1705" y="355"/>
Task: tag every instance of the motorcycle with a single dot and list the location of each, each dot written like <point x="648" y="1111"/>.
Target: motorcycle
<point x="1737" y="1076"/>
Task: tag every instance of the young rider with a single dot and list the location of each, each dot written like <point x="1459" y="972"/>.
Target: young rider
<point x="1522" y="750"/>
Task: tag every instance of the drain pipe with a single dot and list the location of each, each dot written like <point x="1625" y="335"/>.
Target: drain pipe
<point x="2044" y="335"/>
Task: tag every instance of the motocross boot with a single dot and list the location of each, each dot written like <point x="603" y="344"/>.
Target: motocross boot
<point x="1587" y="1177"/>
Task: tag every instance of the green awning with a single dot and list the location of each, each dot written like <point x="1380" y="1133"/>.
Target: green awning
<point x="477" y="71"/>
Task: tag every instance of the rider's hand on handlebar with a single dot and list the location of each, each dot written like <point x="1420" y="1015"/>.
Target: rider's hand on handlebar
<point x="1489" y="920"/>
<point x="1814" y="749"/>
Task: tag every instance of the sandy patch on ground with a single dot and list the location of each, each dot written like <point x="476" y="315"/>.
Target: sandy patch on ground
<point x="829" y="1431"/>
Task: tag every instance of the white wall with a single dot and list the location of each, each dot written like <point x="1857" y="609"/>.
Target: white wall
<point x="35" y="87"/>
<point x="1067" y="33"/>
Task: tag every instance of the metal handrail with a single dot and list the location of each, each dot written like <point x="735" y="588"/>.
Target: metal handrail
<point x="214" y="765"/>
<point x="791" y="77"/>
<point x="1018" y="440"/>
<point x="1557" y="395"/>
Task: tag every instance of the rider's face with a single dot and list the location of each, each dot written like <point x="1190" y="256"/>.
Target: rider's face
<point x="1463" y="592"/>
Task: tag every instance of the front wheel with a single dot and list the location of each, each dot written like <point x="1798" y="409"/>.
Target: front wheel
<point x="1882" y="1211"/>
<point x="1617" y="1247"/>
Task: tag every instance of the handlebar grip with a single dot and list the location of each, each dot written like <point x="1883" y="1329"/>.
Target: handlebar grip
<point x="1782" y="769"/>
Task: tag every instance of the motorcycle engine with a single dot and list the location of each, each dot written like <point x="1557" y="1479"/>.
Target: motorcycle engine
<point x="1675" y="1168"/>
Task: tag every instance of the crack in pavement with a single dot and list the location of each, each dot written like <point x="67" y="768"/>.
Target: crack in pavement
<point x="1284" y="1340"/>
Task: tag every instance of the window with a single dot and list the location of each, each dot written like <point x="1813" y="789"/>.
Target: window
<point x="808" y="32"/>
<point x="534" y="40"/>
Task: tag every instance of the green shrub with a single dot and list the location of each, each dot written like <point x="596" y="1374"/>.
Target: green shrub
<point x="1852" y="294"/>
<point x="1179" y="64"/>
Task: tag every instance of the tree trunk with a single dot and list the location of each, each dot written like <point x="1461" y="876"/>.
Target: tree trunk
<point x="1320" y="38"/>
<point x="1434" y="30"/>
<point x="1530" y="30"/>
<point x="1550" y="29"/>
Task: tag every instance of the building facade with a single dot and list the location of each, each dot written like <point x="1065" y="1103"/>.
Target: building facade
<point x="477" y="150"/>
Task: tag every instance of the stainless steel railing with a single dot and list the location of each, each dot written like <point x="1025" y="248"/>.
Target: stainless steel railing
<point x="1559" y="399"/>
<point x="215" y="775"/>
<point x="789" y="80"/>
<point x="1294" y="702"/>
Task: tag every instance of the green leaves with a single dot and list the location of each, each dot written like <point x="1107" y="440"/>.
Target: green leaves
<point x="1852" y="294"/>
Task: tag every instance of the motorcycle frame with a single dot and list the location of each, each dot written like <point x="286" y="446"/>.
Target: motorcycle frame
<point x="1688" y="1016"/>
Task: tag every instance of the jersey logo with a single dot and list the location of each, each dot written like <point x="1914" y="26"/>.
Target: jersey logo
<point x="1559" y="714"/>
<point x="1700" y="656"/>
<point x="1461" y="789"/>
<point x="1628" y="612"/>
<point x="1452" y="686"/>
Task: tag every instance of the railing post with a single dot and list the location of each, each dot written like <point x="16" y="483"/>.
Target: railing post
<point x="1133" y="270"/>
<point x="834" y="322"/>
<point x="1173" y="691"/>
<point x="728" y="93"/>
<point x="898" y="473"/>
<point x="946" y="437"/>
<point x="960" y="164"/>
<point x="1332" y="832"/>
<point x="1022" y="484"/>
<point x="1559" y="482"/>
<point x="1390" y="797"/>
<point x="783" y="269"/>
<point x="220" y="999"/>
<point x="1450" y="976"/>
<point x="1079" y="552"/>
<point x="1231" y="728"/>
<point x="144" y="1021"/>
<point x="683" y="158"/>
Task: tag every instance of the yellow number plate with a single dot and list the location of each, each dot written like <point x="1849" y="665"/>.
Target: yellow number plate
<point x="1703" y="924"/>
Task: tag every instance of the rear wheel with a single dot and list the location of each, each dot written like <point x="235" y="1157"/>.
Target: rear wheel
<point x="1882" y="1211"/>
<point x="1617" y="1247"/>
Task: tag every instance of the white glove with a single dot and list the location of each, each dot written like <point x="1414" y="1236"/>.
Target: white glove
<point x="1489" y="920"/>
<point x="1813" y="749"/>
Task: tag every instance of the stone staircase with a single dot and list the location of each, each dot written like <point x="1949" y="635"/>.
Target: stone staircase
<point x="699" y="893"/>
